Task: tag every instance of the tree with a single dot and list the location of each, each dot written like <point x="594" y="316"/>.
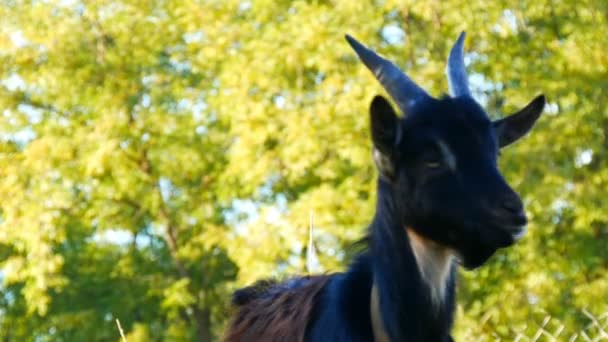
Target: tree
<point x="150" y="150"/>
<point x="111" y="168"/>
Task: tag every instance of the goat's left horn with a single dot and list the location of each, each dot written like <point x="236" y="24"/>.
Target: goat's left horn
<point x="399" y="86"/>
<point x="457" y="74"/>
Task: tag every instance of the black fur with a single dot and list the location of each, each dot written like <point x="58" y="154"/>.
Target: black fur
<point x="439" y="180"/>
<point x="463" y="209"/>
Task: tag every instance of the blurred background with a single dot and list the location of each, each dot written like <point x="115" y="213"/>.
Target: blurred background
<point x="156" y="155"/>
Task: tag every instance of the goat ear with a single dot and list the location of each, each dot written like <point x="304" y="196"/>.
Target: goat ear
<point x="384" y="123"/>
<point x="385" y="129"/>
<point x="513" y="127"/>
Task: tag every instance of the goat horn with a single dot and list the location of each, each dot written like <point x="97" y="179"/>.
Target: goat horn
<point x="398" y="85"/>
<point x="457" y="74"/>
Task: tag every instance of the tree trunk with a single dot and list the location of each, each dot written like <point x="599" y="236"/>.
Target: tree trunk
<point x="202" y="317"/>
<point x="203" y="324"/>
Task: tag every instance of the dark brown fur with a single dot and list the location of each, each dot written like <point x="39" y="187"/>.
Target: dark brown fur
<point x="275" y="312"/>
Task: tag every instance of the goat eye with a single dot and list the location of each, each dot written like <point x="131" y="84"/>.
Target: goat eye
<point x="432" y="159"/>
<point x="432" y="163"/>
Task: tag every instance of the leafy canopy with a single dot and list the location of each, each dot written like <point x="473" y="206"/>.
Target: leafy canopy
<point x="154" y="155"/>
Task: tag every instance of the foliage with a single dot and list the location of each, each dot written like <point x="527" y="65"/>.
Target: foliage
<point x="154" y="155"/>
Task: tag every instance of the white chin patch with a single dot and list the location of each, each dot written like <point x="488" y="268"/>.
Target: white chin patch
<point x="522" y="231"/>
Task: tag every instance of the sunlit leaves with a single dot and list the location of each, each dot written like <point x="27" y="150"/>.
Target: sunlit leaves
<point x="152" y="151"/>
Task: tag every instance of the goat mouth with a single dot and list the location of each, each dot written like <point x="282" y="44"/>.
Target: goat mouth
<point x="518" y="232"/>
<point x="513" y="232"/>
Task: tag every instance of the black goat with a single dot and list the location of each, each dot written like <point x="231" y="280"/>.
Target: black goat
<point x="441" y="201"/>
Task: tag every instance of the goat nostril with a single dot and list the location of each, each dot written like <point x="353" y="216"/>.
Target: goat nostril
<point x="513" y="212"/>
<point x="513" y="206"/>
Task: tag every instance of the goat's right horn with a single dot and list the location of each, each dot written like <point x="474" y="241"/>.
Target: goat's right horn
<point x="457" y="73"/>
<point x="398" y="85"/>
